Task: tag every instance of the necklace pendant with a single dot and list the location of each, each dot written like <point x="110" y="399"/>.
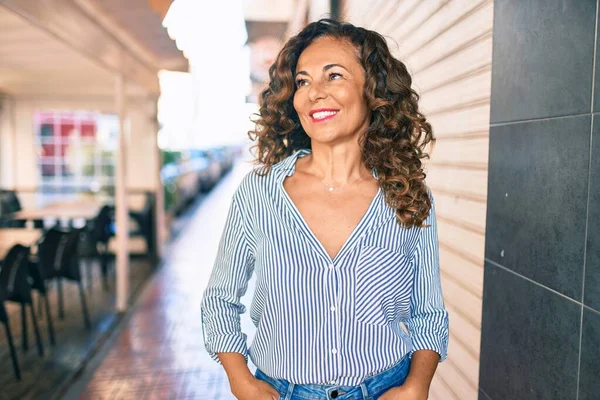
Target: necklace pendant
<point x="331" y="189"/>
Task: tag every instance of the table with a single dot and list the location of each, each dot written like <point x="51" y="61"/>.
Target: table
<point x="73" y="209"/>
<point x="11" y="236"/>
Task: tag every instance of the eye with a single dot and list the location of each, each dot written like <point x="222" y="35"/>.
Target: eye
<point x="334" y="76"/>
<point x="301" y="82"/>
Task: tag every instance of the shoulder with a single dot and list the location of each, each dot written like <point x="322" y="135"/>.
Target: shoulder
<point x="257" y="178"/>
<point x="262" y="181"/>
<point x="256" y="184"/>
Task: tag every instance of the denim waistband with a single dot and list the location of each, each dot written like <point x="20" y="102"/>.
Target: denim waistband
<point x="371" y="386"/>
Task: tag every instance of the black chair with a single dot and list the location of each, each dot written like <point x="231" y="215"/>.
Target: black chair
<point x="144" y="219"/>
<point x="9" y="203"/>
<point x="14" y="287"/>
<point x="39" y="285"/>
<point x="94" y="242"/>
<point x="58" y="259"/>
<point x="144" y="224"/>
<point x="9" y="337"/>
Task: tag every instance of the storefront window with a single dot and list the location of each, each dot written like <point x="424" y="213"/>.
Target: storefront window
<point x="76" y="149"/>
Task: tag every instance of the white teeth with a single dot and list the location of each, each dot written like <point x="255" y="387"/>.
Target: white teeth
<point x="323" y="114"/>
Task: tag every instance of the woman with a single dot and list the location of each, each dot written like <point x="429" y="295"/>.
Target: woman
<point x="340" y="229"/>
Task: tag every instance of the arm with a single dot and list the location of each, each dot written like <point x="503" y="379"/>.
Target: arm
<point x="236" y="368"/>
<point x="221" y="309"/>
<point x="416" y="386"/>
<point x="428" y="325"/>
<point x="221" y="306"/>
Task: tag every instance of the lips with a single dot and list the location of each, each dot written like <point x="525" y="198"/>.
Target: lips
<point x="323" y="114"/>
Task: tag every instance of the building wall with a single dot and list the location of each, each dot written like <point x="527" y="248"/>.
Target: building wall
<point x="447" y="47"/>
<point x="7" y="141"/>
<point x="24" y="170"/>
<point x="142" y="165"/>
<point x="541" y="303"/>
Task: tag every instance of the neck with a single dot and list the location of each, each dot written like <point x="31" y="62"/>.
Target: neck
<point x="338" y="165"/>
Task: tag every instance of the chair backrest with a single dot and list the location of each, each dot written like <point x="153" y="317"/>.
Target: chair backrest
<point x="100" y="227"/>
<point x="14" y="275"/>
<point x="149" y="205"/>
<point x="147" y="212"/>
<point x="58" y="254"/>
<point x="70" y="258"/>
<point x="9" y="203"/>
<point x="47" y="249"/>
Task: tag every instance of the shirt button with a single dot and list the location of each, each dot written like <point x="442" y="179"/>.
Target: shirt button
<point x="334" y="351"/>
<point x="331" y="266"/>
<point x="332" y="308"/>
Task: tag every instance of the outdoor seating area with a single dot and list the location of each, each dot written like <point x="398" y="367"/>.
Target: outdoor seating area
<point x="58" y="280"/>
<point x="53" y="346"/>
<point x="60" y="244"/>
<point x="92" y="186"/>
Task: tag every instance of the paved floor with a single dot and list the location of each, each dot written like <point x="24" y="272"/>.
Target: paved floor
<point x="159" y="353"/>
<point x="45" y="377"/>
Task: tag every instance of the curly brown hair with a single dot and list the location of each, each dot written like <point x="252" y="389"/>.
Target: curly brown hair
<point x="394" y="143"/>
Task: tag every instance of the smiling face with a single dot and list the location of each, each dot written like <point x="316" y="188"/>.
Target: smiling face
<point x="329" y="97"/>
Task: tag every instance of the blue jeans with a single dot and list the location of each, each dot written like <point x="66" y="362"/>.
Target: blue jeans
<point x="370" y="389"/>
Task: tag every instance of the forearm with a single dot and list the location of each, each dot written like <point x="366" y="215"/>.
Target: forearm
<point x="236" y="368"/>
<point x="422" y="368"/>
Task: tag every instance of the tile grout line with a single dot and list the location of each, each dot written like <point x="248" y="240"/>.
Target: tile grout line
<point x="590" y="309"/>
<point x="525" y="121"/>
<point x="485" y="394"/>
<point x="587" y="209"/>
<point x="494" y="263"/>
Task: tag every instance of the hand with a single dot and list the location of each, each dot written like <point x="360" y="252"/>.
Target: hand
<point x="254" y="389"/>
<point x="406" y="392"/>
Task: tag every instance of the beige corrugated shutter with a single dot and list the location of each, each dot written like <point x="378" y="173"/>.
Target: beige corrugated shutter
<point x="447" y="46"/>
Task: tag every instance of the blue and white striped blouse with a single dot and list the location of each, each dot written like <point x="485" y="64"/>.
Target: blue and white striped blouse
<point x="322" y="321"/>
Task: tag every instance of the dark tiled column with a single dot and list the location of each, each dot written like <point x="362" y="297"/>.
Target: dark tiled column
<point x="592" y="269"/>
<point x="540" y="324"/>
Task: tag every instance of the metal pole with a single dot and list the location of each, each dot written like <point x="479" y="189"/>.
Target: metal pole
<point x="121" y="207"/>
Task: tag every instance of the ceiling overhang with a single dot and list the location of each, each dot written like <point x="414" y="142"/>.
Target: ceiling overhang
<point x="73" y="47"/>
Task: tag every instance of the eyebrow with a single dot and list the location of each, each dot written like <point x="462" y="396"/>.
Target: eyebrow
<point x="325" y="68"/>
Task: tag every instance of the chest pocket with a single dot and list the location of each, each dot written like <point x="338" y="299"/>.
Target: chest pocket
<point x="384" y="280"/>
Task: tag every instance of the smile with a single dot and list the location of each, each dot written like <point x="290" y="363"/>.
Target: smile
<point x="322" y="115"/>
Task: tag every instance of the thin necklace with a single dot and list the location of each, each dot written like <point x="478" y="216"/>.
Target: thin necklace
<point x="333" y="188"/>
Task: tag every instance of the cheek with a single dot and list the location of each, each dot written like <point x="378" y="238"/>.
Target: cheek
<point x="297" y="103"/>
<point x="360" y="101"/>
<point x="353" y="100"/>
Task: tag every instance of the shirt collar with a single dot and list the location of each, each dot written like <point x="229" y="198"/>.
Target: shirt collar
<point x="288" y="164"/>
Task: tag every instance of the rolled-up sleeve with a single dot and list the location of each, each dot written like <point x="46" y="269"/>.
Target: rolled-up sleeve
<point x="428" y="325"/>
<point x="221" y="306"/>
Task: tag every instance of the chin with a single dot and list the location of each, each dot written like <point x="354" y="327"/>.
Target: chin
<point x="330" y="136"/>
<point x="325" y="137"/>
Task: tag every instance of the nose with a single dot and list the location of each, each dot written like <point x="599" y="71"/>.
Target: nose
<point x="316" y="92"/>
